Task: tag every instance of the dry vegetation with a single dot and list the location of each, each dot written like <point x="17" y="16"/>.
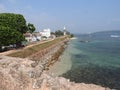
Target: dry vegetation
<point x="31" y="50"/>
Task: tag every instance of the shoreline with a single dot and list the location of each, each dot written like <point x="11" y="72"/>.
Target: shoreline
<point x="62" y="65"/>
<point x="29" y="73"/>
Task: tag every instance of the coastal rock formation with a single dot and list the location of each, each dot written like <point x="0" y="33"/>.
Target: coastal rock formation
<point x="18" y="74"/>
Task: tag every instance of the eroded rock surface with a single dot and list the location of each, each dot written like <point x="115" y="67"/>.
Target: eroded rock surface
<point x="18" y="74"/>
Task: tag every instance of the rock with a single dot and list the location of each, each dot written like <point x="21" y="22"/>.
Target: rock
<point x="37" y="83"/>
<point x="18" y="74"/>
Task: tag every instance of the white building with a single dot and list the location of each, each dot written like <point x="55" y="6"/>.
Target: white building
<point x="46" y="33"/>
<point x="32" y="37"/>
<point x="28" y="36"/>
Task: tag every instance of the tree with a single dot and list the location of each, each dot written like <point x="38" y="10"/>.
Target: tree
<point x="12" y="27"/>
<point x="9" y="36"/>
<point x="58" y="33"/>
<point x="71" y="35"/>
<point x="31" y="28"/>
<point x="13" y="21"/>
<point x="52" y="33"/>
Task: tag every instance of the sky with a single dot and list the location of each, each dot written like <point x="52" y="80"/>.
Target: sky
<point x="78" y="16"/>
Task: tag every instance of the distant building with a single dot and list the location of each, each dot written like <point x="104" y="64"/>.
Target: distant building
<point x="46" y="33"/>
<point x="28" y="36"/>
<point x="36" y="36"/>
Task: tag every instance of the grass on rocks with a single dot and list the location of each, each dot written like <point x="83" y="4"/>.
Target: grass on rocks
<point x="31" y="50"/>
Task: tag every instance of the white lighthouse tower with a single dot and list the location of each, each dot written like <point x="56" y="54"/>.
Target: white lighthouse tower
<point x="64" y="31"/>
<point x="64" y="28"/>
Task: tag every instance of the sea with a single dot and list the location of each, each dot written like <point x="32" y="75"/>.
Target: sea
<point x="91" y="59"/>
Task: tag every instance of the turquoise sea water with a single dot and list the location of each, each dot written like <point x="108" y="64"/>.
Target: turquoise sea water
<point x="97" y="61"/>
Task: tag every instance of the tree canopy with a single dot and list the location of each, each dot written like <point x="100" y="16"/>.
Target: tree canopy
<point x="58" y="33"/>
<point x="9" y="36"/>
<point x="31" y="28"/>
<point x="12" y="28"/>
<point x="13" y="21"/>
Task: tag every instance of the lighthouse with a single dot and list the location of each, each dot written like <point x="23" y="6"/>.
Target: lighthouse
<point x="64" y="28"/>
<point x="64" y="31"/>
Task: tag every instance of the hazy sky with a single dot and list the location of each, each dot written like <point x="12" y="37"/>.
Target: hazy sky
<point x="79" y="16"/>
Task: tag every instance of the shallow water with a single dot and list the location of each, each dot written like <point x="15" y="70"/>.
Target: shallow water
<point x="97" y="61"/>
<point x="63" y="65"/>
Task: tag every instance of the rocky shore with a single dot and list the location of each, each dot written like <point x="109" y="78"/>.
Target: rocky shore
<point x="18" y="74"/>
<point x="30" y="73"/>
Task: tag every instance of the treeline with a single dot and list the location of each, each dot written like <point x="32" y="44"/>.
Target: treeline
<point x="12" y="28"/>
<point x="61" y="33"/>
